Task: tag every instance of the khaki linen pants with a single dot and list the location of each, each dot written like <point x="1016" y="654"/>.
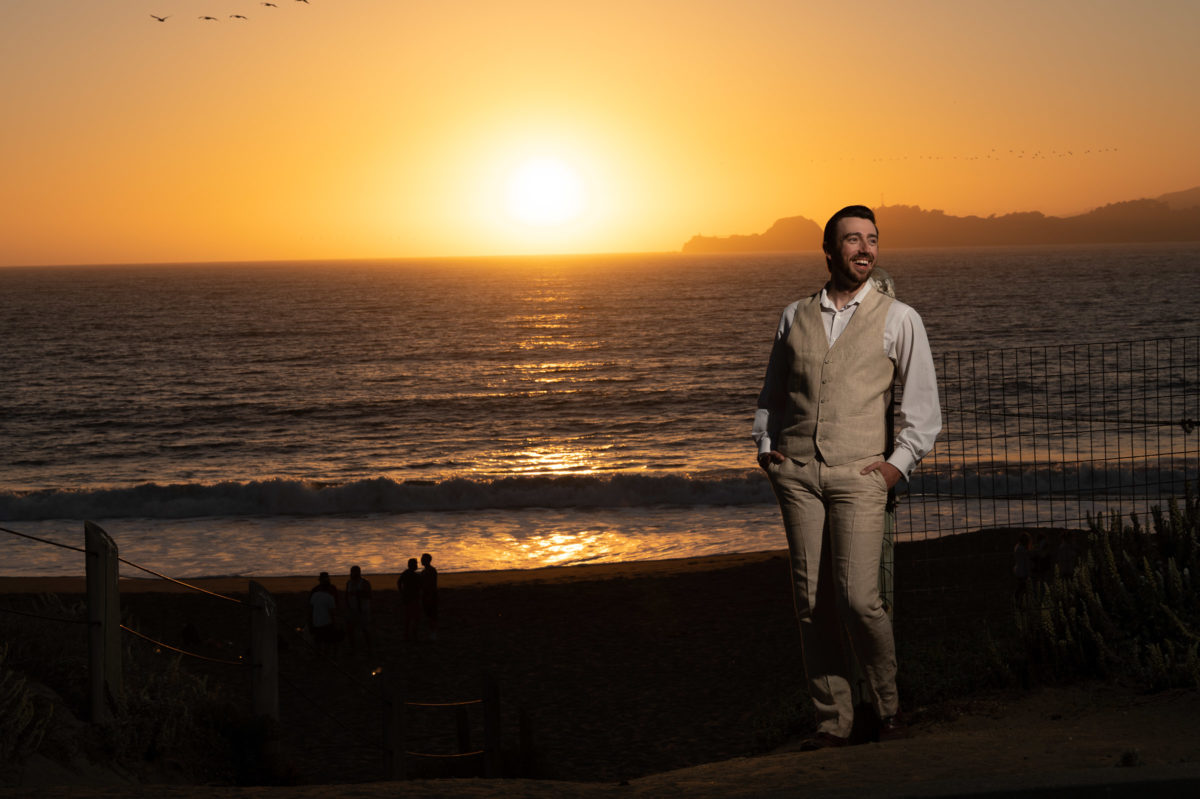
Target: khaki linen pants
<point x="833" y="517"/>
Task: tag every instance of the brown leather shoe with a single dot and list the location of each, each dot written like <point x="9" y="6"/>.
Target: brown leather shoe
<point x="822" y="740"/>
<point x="892" y="728"/>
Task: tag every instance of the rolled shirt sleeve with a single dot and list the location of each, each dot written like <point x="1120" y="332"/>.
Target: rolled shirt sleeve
<point x="772" y="400"/>
<point x="919" y="413"/>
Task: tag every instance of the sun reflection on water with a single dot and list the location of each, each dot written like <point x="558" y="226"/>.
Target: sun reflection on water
<point x="557" y="460"/>
<point x="555" y="371"/>
<point x="560" y="549"/>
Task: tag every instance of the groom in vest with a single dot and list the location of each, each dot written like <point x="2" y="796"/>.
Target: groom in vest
<point x="822" y="428"/>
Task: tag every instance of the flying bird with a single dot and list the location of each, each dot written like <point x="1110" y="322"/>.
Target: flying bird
<point x="269" y="5"/>
<point x="214" y="19"/>
<point x="236" y="16"/>
<point x="161" y="19"/>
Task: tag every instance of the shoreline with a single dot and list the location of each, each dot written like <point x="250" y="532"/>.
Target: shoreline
<point x="285" y="584"/>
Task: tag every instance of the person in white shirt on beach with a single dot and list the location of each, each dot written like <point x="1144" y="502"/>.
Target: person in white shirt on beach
<point x="823" y="439"/>
<point x="322" y="615"/>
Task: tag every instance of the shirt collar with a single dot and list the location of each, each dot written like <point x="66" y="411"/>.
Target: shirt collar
<point x="827" y="304"/>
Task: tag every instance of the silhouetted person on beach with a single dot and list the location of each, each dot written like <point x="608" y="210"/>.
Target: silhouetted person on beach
<point x="409" y="585"/>
<point x="322" y="615"/>
<point x="429" y="594"/>
<point x="358" y="608"/>
<point x="822" y="432"/>
<point x="326" y="585"/>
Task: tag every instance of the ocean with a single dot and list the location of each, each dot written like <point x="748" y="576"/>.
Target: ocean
<point x="288" y="418"/>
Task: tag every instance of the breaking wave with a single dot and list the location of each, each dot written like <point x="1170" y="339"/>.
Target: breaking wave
<point x="278" y="497"/>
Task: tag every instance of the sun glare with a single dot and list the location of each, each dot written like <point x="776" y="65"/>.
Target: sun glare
<point x="545" y="192"/>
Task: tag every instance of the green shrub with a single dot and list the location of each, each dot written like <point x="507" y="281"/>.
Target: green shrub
<point x="23" y="716"/>
<point x="170" y="718"/>
<point x="1129" y="611"/>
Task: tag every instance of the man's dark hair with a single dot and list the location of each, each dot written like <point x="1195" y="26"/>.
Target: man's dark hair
<point x="860" y="211"/>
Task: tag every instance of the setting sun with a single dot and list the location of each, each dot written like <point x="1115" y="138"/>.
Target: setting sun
<point x="544" y="192"/>
<point x="235" y="130"/>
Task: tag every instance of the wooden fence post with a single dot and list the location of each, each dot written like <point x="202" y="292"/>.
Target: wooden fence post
<point x="492" y="756"/>
<point x="104" y="622"/>
<point x="264" y="652"/>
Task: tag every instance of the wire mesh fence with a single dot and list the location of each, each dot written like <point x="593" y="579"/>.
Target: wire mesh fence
<point x="1044" y="439"/>
<point x="1047" y="436"/>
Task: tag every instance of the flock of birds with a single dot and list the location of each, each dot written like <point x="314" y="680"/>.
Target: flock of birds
<point x="207" y="18"/>
<point x="993" y="155"/>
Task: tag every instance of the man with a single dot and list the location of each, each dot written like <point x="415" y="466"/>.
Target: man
<point x="358" y="608"/>
<point x="822" y="433"/>
<point x="429" y="594"/>
<point x="409" y="586"/>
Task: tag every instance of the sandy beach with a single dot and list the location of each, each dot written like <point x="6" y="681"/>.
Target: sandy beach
<point x="663" y="678"/>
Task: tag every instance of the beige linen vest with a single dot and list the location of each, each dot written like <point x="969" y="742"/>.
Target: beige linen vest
<point x="838" y="396"/>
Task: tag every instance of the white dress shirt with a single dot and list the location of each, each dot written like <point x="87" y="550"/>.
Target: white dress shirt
<point x="918" y="416"/>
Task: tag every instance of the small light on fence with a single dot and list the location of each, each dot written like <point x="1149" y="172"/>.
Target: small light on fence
<point x="157" y="651"/>
<point x="375" y="672"/>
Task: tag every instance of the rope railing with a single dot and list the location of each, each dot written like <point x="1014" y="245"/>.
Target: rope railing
<point x="449" y="756"/>
<point x="177" y="650"/>
<point x="196" y="588"/>
<point x="460" y="707"/>
<point x="138" y="566"/>
<point x="43" y="540"/>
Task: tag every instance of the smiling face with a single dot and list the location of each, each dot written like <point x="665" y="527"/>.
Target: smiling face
<point x="851" y="257"/>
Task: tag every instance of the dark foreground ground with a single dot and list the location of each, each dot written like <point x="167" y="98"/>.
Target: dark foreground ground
<point x="629" y="674"/>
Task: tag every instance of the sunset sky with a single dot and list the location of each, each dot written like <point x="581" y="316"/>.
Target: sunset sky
<point x="396" y="128"/>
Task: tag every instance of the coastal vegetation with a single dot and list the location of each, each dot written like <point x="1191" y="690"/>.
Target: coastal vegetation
<point x="171" y="723"/>
<point x="1130" y="611"/>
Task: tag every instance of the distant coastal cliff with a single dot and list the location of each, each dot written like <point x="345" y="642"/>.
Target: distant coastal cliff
<point x="1171" y="217"/>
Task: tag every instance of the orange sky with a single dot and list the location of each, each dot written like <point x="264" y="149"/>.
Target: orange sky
<point x="392" y="128"/>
